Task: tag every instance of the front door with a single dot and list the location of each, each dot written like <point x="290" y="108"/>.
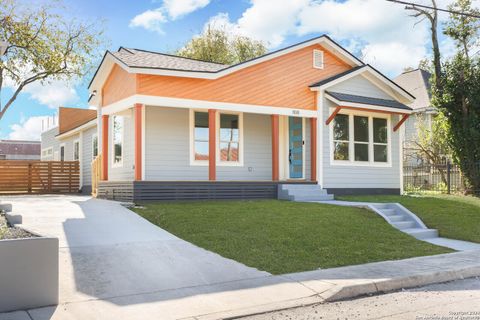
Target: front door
<point x="295" y="147"/>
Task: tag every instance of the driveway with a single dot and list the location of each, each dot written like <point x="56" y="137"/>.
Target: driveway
<point x="108" y="251"/>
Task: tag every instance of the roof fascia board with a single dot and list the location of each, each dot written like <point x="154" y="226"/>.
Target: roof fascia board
<point x="148" y="100"/>
<point x="367" y="106"/>
<point x="76" y="130"/>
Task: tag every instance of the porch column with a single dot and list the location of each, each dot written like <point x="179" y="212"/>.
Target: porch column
<point x="212" y="139"/>
<point x="313" y="149"/>
<point x="138" y="141"/>
<point x="105" y="147"/>
<point x="275" y="147"/>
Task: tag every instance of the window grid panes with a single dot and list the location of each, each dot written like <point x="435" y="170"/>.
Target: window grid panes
<point x="118" y="123"/>
<point x="200" y="133"/>
<point x="76" y="150"/>
<point x="360" y="139"/>
<point x="229" y="137"/>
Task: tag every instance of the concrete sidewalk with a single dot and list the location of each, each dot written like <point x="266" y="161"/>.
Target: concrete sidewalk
<point x="116" y="265"/>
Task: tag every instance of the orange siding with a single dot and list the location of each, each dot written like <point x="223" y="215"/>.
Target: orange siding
<point x="71" y="118"/>
<point x="119" y="85"/>
<point x="281" y="82"/>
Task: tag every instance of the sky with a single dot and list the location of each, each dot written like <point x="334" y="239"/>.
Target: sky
<point x="379" y="32"/>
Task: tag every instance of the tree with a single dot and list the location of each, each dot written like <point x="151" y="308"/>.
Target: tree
<point x="460" y="97"/>
<point x="218" y="45"/>
<point x="42" y="46"/>
<point x="432" y="16"/>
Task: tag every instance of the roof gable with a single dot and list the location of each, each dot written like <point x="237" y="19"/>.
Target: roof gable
<point x="71" y="118"/>
<point x="418" y="83"/>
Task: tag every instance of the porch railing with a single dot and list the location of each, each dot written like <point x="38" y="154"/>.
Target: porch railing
<point x="96" y="173"/>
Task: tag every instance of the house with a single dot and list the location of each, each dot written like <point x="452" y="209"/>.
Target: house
<point x="19" y="150"/>
<point x="311" y="114"/>
<point x="418" y="83"/>
<point x="73" y="139"/>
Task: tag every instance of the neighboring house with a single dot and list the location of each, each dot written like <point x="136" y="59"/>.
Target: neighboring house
<point x="312" y="113"/>
<point x="19" y="150"/>
<point x="416" y="82"/>
<point x="75" y="138"/>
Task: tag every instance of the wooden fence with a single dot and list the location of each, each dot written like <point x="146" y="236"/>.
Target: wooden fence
<point x="19" y="176"/>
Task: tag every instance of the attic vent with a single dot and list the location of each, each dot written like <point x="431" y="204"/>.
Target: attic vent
<point x="318" y="59"/>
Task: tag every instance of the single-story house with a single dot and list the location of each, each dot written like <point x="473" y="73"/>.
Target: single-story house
<point x="312" y="114"/>
<point x="19" y="150"/>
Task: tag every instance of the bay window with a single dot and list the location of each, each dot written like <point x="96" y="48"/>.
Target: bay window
<point x="360" y="139"/>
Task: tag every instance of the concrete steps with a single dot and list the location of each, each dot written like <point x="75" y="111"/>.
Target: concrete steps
<point x="404" y="220"/>
<point x="303" y="192"/>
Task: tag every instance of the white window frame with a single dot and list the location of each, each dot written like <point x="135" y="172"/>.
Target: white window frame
<point x="76" y="141"/>
<point x="351" y="143"/>
<point x="93" y="138"/>
<point x="317" y="51"/>
<point x="117" y="164"/>
<point x="238" y="163"/>
<point x="47" y="152"/>
<point x="193" y="162"/>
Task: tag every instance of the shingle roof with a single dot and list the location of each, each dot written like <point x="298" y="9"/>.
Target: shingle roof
<point x="13" y="147"/>
<point x="418" y="83"/>
<point x="337" y="76"/>
<point x="136" y="58"/>
<point x="368" y="100"/>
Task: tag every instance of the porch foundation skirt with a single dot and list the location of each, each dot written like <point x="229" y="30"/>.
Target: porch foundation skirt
<point x="144" y="191"/>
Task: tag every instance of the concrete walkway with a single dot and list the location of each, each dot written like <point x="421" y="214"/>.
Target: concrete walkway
<point x="406" y="221"/>
<point x="116" y="265"/>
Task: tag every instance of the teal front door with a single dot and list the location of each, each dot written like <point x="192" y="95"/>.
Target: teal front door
<point x="295" y="147"/>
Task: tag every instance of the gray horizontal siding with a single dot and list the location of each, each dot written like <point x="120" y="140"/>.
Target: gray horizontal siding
<point x="50" y="141"/>
<point x="359" y="85"/>
<point x="87" y="155"/>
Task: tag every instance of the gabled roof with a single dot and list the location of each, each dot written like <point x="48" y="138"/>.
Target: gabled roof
<point x="71" y="118"/>
<point x="368" y="100"/>
<point x="136" y="58"/>
<point x="418" y="83"/>
<point x="154" y="63"/>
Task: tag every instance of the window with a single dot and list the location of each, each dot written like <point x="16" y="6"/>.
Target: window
<point x="94" y="146"/>
<point x="318" y="59"/>
<point x="341" y="137"/>
<point x="360" y="139"/>
<point x="117" y="138"/>
<point x="47" y="152"/>
<point x="229" y="137"/>
<point x="62" y="153"/>
<point x="76" y="150"/>
<point x="200" y="136"/>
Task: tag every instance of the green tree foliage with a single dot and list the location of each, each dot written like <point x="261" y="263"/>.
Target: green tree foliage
<point x="43" y="46"/>
<point x="218" y="45"/>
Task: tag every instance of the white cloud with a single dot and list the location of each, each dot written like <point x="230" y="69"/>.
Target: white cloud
<point x="29" y="129"/>
<point x="54" y="94"/>
<point x="153" y="20"/>
<point x="179" y="8"/>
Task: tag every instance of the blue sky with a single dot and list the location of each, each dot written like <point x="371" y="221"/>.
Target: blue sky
<point x="381" y="33"/>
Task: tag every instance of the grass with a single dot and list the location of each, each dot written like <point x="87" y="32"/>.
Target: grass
<point x="283" y="237"/>
<point x="456" y="217"/>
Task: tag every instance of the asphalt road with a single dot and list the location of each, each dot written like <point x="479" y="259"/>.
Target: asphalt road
<point x="456" y="300"/>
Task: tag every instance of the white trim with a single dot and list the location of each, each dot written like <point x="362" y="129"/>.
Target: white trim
<point x="117" y="164"/>
<point x="45" y="150"/>
<point x="401" y="137"/>
<point x="80" y="156"/>
<point x="406" y="98"/>
<point x="110" y="60"/>
<point x="203" y="104"/>
<point x="320" y="137"/>
<point x="366" y="106"/>
<point x="84" y="126"/>
<point x="351" y="143"/>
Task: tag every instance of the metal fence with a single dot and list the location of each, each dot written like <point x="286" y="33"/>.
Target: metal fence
<point x="438" y="178"/>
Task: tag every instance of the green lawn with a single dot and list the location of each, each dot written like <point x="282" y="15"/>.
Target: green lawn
<point x="282" y="237"/>
<point x="456" y="217"/>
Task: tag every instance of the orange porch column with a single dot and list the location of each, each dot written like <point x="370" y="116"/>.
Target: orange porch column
<point x="138" y="141"/>
<point x="275" y="148"/>
<point x="105" y="147"/>
<point x="212" y="139"/>
<point x="313" y="149"/>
